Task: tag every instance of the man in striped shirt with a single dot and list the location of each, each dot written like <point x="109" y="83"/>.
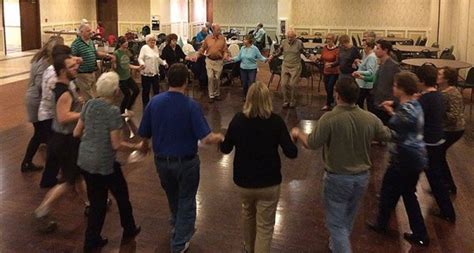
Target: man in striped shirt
<point x="84" y="47"/>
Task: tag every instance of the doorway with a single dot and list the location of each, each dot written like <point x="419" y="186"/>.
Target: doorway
<point x="12" y="24"/>
<point x="107" y="13"/>
<point x="21" y="25"/>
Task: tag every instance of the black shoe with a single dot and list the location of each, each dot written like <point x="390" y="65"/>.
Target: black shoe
<point x="89" y="246"/>
<point x="376" y="227"/>
<point x="423" y="241"/>
<point x="129" y="235"/>
<point x="211" y="100"/>
<point x="218" y="98"/>
<point x="447" y="218"/>
<point x="28" y="167"/>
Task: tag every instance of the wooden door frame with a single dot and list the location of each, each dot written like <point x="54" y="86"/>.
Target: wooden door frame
<point x="3" y="29"/>
<point x="97" y="11"/>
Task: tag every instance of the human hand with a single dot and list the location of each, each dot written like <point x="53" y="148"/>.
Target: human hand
<point x="142" y="147"/>
<point x="295" y="133"/>
<point x="387" y="106"/>
<point x="81" y="99"/>
<point x="357" y="75"/>
<point x="112" y="57"/>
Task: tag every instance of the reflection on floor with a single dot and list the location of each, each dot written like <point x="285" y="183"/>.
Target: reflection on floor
<point x="299" y="222"/>
<point x="15" y="67"/>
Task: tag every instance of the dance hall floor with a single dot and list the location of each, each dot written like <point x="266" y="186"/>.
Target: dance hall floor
<point x="300" y="217"/>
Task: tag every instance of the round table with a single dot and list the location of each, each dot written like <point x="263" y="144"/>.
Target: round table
<point x="312" y="45"/>
<point x="439" y="63"/>
<point x="415" y="49"/>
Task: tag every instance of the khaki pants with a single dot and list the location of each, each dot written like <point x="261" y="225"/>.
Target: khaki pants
<point x="86" y="84"/>
<point x="258" y="217"/>
<point x="290" y="77"/>
<point x="214" y="71"/>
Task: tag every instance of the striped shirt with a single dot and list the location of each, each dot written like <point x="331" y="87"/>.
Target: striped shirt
<point x="87" y="51"/>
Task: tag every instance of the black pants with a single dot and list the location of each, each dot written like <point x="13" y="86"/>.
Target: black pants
<point x="64" y="149"/>
<point x="130" y="92"/>
<point x="329" y="83"/>
<point x="451" y="138"/>
<point x="364" y="95"/>
<point x="380" y="113"/>
<point x="434" y="174"/>
<point x="400" y="180"/>
<point x="148" y="83"/>
<point x="97" y="191"/>
<point x="42" y="132"/>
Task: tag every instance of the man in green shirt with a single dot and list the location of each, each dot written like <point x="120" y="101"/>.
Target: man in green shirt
<point x="83" y="47"/>
<point x="345" y="134"/>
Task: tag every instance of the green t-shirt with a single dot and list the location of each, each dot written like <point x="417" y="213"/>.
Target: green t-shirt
<point x="123" y="61"/>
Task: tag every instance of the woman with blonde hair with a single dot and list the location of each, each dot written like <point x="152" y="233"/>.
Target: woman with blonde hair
<point x="39" y="63"/>
<point x="256" y="133"/>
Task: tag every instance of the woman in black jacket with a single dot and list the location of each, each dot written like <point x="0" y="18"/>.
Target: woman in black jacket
<point x="172" y="52"/>
<point x="256" y="134"/>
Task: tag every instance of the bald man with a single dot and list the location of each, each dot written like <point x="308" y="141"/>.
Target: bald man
<point x="214" y="47"/>
<point x="290" y="48"/>
<point x="84" y="47"/>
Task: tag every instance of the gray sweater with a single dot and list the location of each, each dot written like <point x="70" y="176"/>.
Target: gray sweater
<point x="383" y="82"/>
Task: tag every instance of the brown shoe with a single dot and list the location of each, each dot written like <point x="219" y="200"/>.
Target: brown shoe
<point x="44" y="224"/>
<point x="286" y="104"/>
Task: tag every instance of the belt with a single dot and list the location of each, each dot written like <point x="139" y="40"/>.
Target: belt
<point x="215" y="59"/>
<point x="355" y="174"/>
<point x="175" y="158"/>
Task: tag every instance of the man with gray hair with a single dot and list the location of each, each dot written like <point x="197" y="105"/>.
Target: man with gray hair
<point x="214" y="47"/>
<point x="84" y="47"/>
<point x="291" y="49"/>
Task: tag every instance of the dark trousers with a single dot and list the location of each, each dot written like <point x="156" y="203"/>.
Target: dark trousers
<point x="148" y="83"/>
<point x="97" y="192"/>
<point x="42" y="132"/>
<point x="434" y="174"/>
<point x="400" y="180"/>
<point x="180" y="180"/>
<point x="364" y="95"/>
<point x="380" y="113"/>
<point x="451" y="138"/>
<point x="51" y="169"/>
<point x="329" y="82"/>
<point x="247" y="76"/>
<point x="130" y="92"/>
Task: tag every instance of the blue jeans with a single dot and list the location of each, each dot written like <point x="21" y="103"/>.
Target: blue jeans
<point x="247" y="76"/>
<point x="329" y="82"/>
<point x="180" y="180"/>
<point x="341" y="196"/>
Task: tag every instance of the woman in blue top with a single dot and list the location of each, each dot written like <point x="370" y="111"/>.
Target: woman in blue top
<point x="407" y="160"/>
<point x="248" y="56"/>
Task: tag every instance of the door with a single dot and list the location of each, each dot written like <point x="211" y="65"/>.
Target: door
<point x="30" y="25"/>
<point x="107" y="13"/>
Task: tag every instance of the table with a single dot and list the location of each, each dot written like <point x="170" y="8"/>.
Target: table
<point x="415" y="49"/>
<point x="58" y="33"/>
<point x="234" y="42"/>
<point x="392" y="39"/>
<point x="313" y="45"/>
<point x="439" y="63"/>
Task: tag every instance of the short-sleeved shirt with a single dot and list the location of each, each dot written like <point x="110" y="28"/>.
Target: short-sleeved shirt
<point x="123" y="64"/>
<point x="87" y="52"/>
<point x="96" y="154"/>
<point x="175" y="123"/>
<point x="215" y="47"/>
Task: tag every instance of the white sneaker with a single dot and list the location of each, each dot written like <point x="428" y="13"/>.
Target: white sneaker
<point x="186" y="247"/>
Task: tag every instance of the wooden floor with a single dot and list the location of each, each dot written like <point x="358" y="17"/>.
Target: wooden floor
<point x="299" y="222"/>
